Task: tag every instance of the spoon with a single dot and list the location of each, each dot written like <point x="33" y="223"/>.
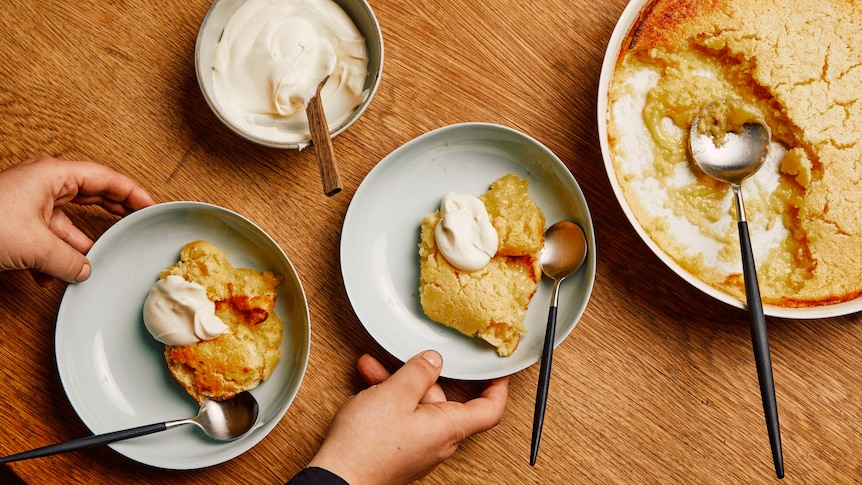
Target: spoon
<point x="322" y="142"/>
<point x="564" y="252"/>
<point x="221" y="420"/>
<point x="739" y="157"/>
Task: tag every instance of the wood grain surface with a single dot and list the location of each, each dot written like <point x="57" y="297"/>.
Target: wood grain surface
<point x="655" y="385"/>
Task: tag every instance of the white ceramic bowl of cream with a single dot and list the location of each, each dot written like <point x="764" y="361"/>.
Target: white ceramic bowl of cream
<point x="274" y="117"/>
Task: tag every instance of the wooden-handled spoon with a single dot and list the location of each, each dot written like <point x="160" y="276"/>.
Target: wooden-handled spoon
<point x="322" y="141"/>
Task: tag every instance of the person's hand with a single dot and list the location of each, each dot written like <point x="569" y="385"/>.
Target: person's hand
<point x="36" y="234"/>
<point x="401" y="427"/>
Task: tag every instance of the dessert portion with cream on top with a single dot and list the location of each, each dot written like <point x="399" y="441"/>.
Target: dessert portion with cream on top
<point x="218" y="323"/>
<point x="795" y="63"/>
<point x="479" y="262"/>
<point x="271" y="58"/>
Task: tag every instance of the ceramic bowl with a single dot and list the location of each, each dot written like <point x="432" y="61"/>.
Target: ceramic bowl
<point x="113" y="371"/>
<point x="380" y="242"/>
<point x="210" y="33"/>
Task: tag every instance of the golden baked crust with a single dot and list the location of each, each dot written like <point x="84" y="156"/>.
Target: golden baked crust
<point x="248" y="352"/>
<point x="798" y="62"/>
<point x="490" y="303"/>
<point x="659" y="23"/>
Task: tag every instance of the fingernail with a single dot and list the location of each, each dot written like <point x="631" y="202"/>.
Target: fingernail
<point x="84" y="274"/>
<point x="433" y="358"/>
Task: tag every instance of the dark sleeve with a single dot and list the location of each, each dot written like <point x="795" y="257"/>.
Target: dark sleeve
<point x="316" y="476"/>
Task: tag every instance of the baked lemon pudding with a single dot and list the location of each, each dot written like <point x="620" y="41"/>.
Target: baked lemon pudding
<point x="479" y="262"/>
<point x="218" y="324"/>
<point x="796" y="63"/>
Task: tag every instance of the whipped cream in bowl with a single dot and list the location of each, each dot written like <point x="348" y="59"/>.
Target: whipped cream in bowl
<point x="259" y="63"/>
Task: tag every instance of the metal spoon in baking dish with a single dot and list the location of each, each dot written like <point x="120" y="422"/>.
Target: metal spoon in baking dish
<point x="741" y="152"/>
<point x="564" y="252"/>
<point x="221" y="420"/>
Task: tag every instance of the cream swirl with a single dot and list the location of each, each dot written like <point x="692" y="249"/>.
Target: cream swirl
<point x="178" y="312"/>
<point x="465" y="235"/>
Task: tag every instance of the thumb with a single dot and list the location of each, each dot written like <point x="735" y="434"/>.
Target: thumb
<point x="60" y="260"/>
<point x="416" y="376"/>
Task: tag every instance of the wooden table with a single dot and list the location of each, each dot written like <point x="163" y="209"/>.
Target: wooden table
<point x="656" y="383"/>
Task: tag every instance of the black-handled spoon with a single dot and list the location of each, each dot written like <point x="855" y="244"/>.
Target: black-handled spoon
<point x="735" y="156"/>
<point x="221" y="420"/>
<point x="564" y="252"/>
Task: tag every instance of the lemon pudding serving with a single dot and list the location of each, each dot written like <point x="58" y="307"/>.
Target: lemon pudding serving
<point x="218" y="323"/>
<point x="479" y="262"/>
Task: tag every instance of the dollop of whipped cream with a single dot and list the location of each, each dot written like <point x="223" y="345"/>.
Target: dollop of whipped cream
<point x="465" y="235"/>
<point x="272" y="56"/>
<point x="178" y="312"/>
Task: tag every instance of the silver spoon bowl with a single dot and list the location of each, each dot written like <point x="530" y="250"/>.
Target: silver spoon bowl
<point x="738" y="156"/>
<point x="564" y="252"/>
<point x="220" y="420"/>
